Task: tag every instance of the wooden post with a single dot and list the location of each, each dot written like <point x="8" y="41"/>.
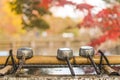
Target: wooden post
<point x="109" y="70"/>
<point x="5" y="70"/>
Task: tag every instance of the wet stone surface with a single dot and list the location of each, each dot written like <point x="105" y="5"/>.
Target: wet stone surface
<point x="58" y="74"/>
<point x="62" y="78"/>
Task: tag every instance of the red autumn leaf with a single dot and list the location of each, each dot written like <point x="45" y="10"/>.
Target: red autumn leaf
<point x="110" y="34"/>
<point x="103" y="13"/>
<point x="87" y="21"/>
<point x="116" y="9"/>
<point x="114" y="35"/>
<point x="64" y="2"/>
<point x="83" y="6"/>
<point x="98" y="41"/>
<point x="118" y="13"/>
<point x="45" y="3"/>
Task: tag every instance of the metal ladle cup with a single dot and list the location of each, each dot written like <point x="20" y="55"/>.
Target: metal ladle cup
<point x="26" y="52"/>
<point x="88" y="52"/>
<point x="66" y="54"/>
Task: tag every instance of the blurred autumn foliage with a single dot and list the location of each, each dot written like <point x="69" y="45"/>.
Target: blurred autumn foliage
<point x="10" y="24"/>
<point x="106" y="19"/>
<point x="32" y="13"/>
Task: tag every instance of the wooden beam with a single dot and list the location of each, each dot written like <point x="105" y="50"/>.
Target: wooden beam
<point x="52" y="60"/>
